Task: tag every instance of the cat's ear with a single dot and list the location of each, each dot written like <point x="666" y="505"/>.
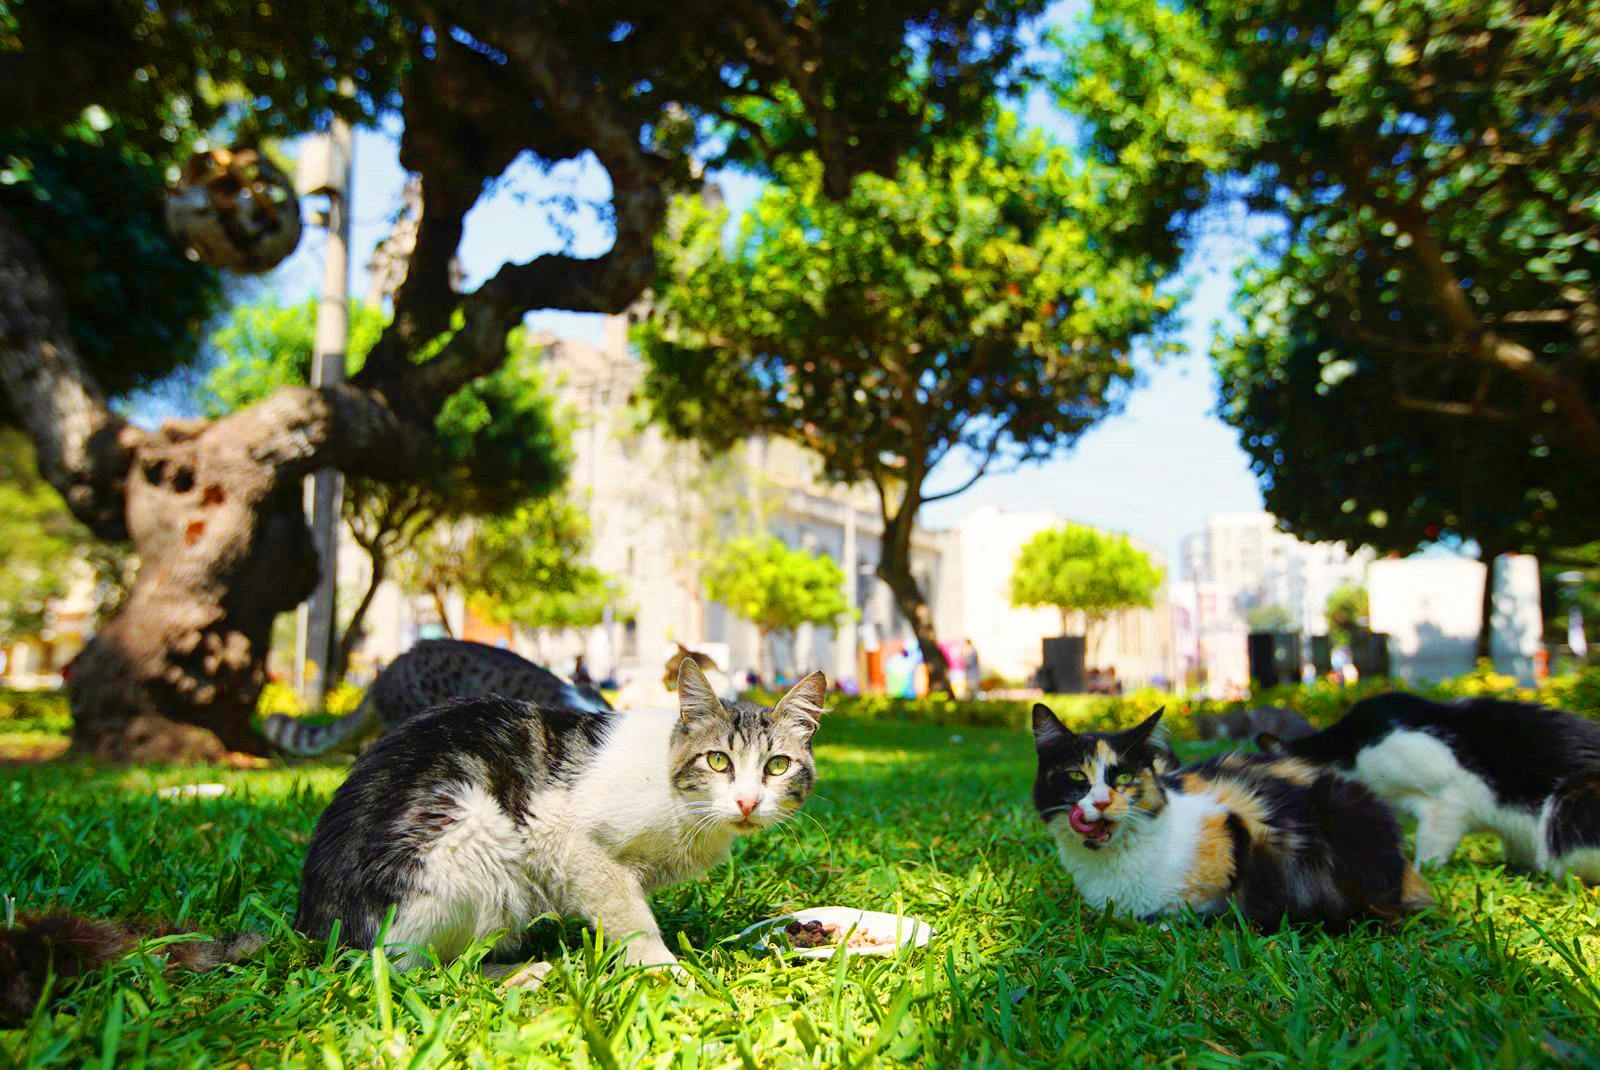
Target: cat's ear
<point x="803" y="703"/>
<point x="695" y="696"/>
<point x="1142" y="731"/>
<point x="1267" y="743"/>
<point x="1047" y="729"/>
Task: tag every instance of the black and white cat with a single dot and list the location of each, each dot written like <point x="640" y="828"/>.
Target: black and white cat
<point x="1529" y="774"/>
<point x="1277" y="836"/>
<point x="480" y="815"/>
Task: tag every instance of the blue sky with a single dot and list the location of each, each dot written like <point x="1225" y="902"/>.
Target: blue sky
<point x="1156" y="470"/>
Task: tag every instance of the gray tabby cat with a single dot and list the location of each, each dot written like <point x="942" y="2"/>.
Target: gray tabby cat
<point x="432" y="672"/>
<point x="480" y="815"/>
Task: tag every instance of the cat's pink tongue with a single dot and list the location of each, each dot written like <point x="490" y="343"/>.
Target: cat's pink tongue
<point x="1098" y="830"/>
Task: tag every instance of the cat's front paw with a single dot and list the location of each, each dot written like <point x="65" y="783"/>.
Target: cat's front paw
<point x="524" y="974"/>
<point x="643" y="952"/>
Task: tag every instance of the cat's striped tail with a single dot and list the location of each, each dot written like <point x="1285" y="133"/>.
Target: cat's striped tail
<point x="306" y="740"/>
<point x="41" y="952"/>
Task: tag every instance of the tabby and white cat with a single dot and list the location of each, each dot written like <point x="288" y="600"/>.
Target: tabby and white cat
<point x="432" y="672"/>
<point x="1529" y="774"/>
<point x="1278" y="837"/>
<point x="480" y="815"/>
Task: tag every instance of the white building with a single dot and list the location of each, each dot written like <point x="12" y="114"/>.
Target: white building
<point x="1250" y="562"/>
<point x="1430" y="608"/>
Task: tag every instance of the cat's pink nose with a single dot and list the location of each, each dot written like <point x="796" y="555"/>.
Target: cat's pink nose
<point x="746" y="806"/>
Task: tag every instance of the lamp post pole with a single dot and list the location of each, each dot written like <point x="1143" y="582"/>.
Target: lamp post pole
<point x="325" y="489"/>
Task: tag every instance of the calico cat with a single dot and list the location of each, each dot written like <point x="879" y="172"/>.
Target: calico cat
<point x="480" y="815"/>
<point x="1529" y="774"/>
<point x="1281" y="839"/>
<point x="431" y="672"/>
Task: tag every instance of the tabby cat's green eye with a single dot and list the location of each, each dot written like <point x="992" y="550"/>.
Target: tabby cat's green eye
<point x="1078" y="776"/>
<point x="1124" y="780"/>
<point x="777" y="765"/>
<point x="719" y="762"/>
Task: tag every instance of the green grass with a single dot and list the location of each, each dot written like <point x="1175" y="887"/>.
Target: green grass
<point x="929" y="820"/>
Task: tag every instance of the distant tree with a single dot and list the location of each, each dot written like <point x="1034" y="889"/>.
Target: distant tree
<point x="643" y="91"/>
<point x="523" y="567"/>
<point x="1347" y="611"/>
<point x="1077" y="569"/>
<point x="1419" y="352"/>
<point x="528" y="567"/>
<point x="502" y="429"/>
<point x="775" y="587"/>
<point x="1270" y="617"/>
<point x="977" y="310"/>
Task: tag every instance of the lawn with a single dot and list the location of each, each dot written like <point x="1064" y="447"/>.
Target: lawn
<point x="930" y="820"/>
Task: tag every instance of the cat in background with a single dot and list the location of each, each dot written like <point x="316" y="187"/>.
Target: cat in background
<point x="431" y="672"/>
<point x="1527" y="773"/>
<point x="478" y="816"/>
<point x="1276" y="836"/>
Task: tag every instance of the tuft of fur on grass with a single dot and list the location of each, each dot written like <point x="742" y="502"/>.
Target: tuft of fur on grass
<point x="920" y="819"/>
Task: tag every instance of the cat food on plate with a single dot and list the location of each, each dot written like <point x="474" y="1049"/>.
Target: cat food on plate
<point x="818" y="931"/>
<point x="818" y="934"/>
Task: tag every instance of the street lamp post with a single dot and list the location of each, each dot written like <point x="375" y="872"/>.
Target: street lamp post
<point x="325" y="169"/>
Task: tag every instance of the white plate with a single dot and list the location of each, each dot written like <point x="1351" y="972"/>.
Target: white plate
<point x="193" y="791"/>
<point x="890" y="932"/>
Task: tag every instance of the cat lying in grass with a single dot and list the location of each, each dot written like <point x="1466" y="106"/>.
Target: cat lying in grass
<point x="1277" y="837"/>
<point x="482" y="814"/>
<point x="1529" y="774"/>
<point x="478" y="816"/>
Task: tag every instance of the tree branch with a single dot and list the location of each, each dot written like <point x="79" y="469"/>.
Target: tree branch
<point x="84" y="449"/>
<point x="607" y="283"/>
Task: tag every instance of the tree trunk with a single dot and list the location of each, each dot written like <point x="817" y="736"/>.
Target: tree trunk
<point x="223" y="548"/>
<point x="894" y="569"/>
<point x="908" y="596"/>
<point x="1485" y="647"/>
<point x="444" y="614"/>
<point x="214" y="510"/>
<point x="352" y="632"/>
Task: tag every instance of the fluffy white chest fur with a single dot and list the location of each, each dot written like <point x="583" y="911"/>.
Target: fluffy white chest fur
<point x="1419" y="774"/>
<point x="592" y="848"/>
<point x="1144" y="868"/>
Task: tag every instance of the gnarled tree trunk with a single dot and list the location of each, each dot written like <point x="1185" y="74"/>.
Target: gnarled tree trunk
<point x="223" y="548"/>
<point x="213" y="509"/>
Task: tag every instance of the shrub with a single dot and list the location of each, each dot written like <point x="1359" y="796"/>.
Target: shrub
<point x="35" y="711"/>
<point x="279" y="697"/>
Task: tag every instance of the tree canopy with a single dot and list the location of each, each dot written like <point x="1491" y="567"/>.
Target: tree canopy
<point x="775" y="587"/>
<point x="507" y="447"/>
<point x="649" y="93"/>
<point x="1418" y="354"/>
<point x="976" y="310"/>
<point x="1078" y="569"/>
<point x="1270" y="617"/>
